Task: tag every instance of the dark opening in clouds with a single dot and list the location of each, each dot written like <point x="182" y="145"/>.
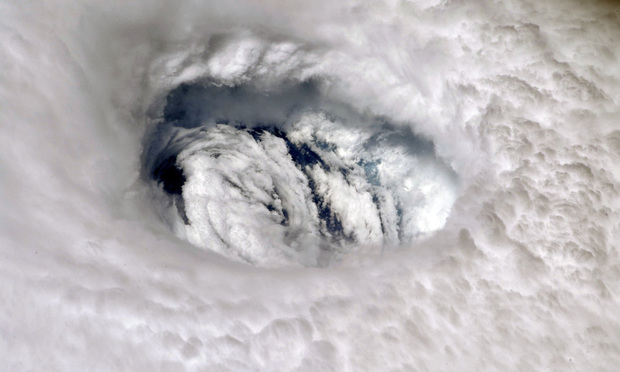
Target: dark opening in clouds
<point x="314" y="176"/>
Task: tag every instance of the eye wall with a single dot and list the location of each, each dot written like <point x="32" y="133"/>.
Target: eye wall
<point x="421" y="185"/>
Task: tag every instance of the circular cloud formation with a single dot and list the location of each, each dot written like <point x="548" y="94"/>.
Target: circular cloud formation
<point x="301" y="182"/>
<point x="450" y="166"/>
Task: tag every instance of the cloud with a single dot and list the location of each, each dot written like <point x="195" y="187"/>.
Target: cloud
<point x="518" y="102"/>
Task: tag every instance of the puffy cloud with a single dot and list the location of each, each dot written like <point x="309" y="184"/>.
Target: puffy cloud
<point x="519" y="100"/>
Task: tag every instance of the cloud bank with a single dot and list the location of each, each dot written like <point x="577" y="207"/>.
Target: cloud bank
<point x="466" y="153"/>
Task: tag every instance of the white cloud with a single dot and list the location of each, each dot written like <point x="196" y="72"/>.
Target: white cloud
<point x="519" y="98"/>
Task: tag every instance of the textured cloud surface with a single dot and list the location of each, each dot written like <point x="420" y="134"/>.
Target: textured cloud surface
<point x="421" y="185"/>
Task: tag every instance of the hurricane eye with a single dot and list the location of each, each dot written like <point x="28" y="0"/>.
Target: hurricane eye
<point x="288" y="177"/>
